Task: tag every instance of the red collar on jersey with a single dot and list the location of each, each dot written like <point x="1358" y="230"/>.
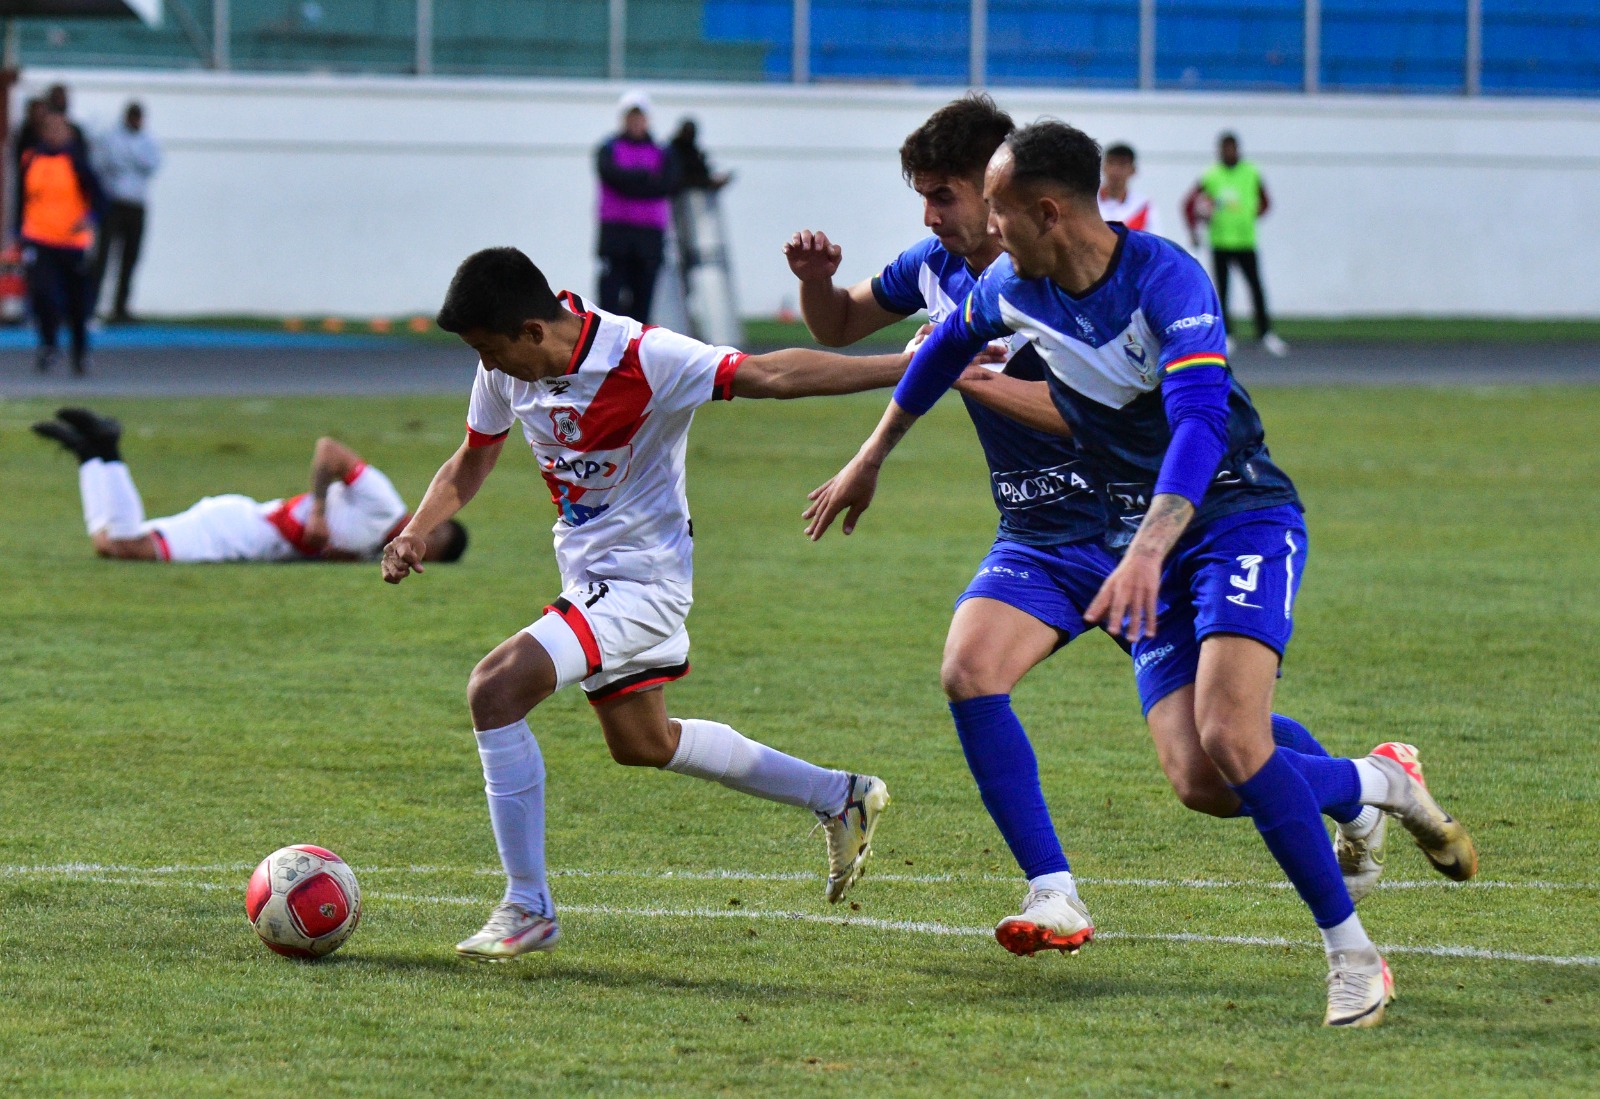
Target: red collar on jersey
<point x="591" y="326"/>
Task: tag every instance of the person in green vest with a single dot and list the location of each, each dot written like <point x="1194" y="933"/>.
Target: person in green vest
<point x="1228" y="198"/>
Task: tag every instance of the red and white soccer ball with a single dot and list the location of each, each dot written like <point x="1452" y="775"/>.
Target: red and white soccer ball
<point x="303" y="901"/>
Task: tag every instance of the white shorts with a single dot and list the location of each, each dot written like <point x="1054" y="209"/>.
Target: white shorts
<point x="617" y="636"/>
<point x="220" y="528"/>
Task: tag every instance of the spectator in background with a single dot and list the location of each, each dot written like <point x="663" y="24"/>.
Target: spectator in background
<point x="637" y="180"/>
<point x="125" y="158"/>
<point x="1118" y="201"/>
<point x="54" y="100"/>
<point x="694" y="169"/>
<point x="1229" y="198"/>
<point x="59" y="202"/>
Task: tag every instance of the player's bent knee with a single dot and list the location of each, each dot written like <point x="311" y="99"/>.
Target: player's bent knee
<point x="501" y="691"/>
<point x="964" y="676"/>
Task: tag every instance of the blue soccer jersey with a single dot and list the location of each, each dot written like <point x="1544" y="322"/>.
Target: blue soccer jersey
<point x="1110" y="351"/>
<point x="1040" y="483"/>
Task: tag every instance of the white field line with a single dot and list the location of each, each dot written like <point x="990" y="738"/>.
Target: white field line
<point x="915" y="927"/>
<point x="78" y="869"/>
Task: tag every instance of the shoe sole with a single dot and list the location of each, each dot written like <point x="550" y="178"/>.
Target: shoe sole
<point x="1440" y="837"/>
<point x="876" y="802"/>
<point x="1348" y="868"/>
<point x="1025" y="938"/>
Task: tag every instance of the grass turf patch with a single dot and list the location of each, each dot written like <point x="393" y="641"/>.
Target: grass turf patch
<point x="195" y="718"/>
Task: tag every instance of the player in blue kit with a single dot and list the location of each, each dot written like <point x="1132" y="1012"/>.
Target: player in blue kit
<point x="1049" y="558"/>
<point x="1128" y="326"/>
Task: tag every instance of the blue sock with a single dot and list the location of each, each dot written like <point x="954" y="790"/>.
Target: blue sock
<point x="1002" y="761"/>
<point x="1289" y="733"/>
<point x="1334" y="782"/>
<point x="1286" y="815"/>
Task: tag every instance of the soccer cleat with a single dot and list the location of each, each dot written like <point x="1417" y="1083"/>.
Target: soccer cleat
<point x="43" y="359"/>
<point x="103" y="431"/>
<point x="68" y="437"/>
<point x="512" y="929"/>
<point x="1442" y="838"/>
<point x="850" y="833"/>
<point x="1050" y="920"/>
<point x="1360" y="986"/>
<point x="1274" y="345"/>
<point x="1361" y="858"/>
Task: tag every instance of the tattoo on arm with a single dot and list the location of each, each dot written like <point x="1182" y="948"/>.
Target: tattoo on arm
<point x="1163" y="525"/>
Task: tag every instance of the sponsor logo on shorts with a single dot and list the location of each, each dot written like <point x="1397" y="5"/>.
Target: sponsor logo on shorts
<point x="1183" y="324"/>
<point x="1003" y="570"/>
<point x="1022" y="489"/>
<point x="1150" y="659"/>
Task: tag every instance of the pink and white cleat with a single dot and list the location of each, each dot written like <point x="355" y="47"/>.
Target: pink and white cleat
<point x="512" y="929"/>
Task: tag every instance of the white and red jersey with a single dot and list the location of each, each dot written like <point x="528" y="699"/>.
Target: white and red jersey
<point x="1134" y="210"/>
<point x="364" y="511"/>
<point x="609" y="436"/>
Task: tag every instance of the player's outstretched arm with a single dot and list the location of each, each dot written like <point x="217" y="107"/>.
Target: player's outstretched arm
<point x="836" y="316"/>
<point x="936" y="364"/>
<point x="456" y="483"/>
<point x="1028" y="403"/>
<point x="801" y="372"/>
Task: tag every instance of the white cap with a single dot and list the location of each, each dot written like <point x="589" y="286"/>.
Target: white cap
<point x="634" y="100"/>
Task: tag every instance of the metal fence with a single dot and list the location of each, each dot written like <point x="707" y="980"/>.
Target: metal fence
<point x="1467" y="47"/>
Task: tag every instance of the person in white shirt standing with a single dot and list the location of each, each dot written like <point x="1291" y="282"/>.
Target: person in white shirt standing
<point x="125" y="158"/>
<point x="604" y="404"/>
<point x="1120" y="202"/>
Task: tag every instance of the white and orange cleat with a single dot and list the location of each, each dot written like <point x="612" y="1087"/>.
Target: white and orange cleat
<point x="1360" y="986"/>
<point x="1051" y="919"/>
<point x="1442" y="838"/>
<point x="512" y="929"/>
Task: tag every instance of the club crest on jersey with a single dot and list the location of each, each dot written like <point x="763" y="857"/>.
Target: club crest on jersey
<point x="1135" y="352"/>
<point x="565" y="423"/>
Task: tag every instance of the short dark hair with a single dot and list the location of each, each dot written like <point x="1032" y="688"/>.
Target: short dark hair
<point x="496" y="290"/>
<point x="1050" y="151"/>
<point x="1227" y="135"/>
<point x="1120" y="150"/>
<point x="957" y="140"/>
<point x="457" y="545"/>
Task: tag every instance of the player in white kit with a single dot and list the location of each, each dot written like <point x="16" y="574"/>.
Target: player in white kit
<point x="605" y="405"/>
<point x="350" y="512"/>
<point x="1120" y="202"/>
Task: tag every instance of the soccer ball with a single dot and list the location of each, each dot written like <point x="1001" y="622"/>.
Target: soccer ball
<point x="303" y="901"/>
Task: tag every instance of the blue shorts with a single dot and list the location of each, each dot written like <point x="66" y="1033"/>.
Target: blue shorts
<point x="1238" y="575"/>
<point x="1054" y="584"/>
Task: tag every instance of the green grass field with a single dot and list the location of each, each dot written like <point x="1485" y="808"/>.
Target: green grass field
<point x="165" y="727"/>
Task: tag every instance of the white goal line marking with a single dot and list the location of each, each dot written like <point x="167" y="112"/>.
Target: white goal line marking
<point x="76" y="869"/>
<point x="916" y="927"/>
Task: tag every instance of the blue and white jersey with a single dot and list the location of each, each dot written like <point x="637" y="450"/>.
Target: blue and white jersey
<point x="1040" y="483"/>
<point x="1108" y="350"/>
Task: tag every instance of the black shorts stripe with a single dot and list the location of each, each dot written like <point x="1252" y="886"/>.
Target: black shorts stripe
<point x="629" y="682"/>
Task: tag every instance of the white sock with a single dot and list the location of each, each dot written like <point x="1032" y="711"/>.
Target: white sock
<point x="1374" y="783"/>
<point x="124" y="509"/>
<point x="1061" y="881"/>
<point x="1362" y="824"/>
<point x="92" y="491"/>
<point x="513" y="772"/>
<point x="714" y="751"/>
<point x="1346" y="937"/>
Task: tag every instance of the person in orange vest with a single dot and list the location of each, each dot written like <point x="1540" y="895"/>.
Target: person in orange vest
<point x="59" y="203"/>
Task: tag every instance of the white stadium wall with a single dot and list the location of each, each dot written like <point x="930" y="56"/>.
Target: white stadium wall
<point x="357" y="196"/>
